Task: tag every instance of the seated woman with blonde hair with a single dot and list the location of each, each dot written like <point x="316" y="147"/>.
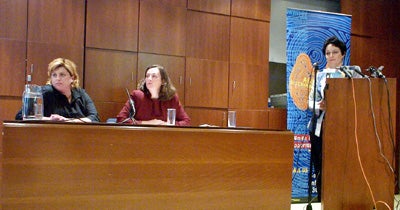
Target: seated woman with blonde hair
<point x="63" y="99"/>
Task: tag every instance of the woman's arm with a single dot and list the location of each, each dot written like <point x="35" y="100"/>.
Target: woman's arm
<point x="182" y="119"/>
<point x="91" y="111"/>
<point x="319" y="101"/>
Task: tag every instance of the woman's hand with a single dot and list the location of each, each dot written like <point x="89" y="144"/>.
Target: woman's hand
<point x="321" y="105"/>
<point x="56" y="117"/>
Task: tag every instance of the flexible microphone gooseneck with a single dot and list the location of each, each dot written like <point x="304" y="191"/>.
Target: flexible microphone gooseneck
<point x="132" y="110"/>
<point x="379" y="72"/>
<point x="132" y="103"/>
<point x="344" y="70"/>
<point x="356" y="69"/>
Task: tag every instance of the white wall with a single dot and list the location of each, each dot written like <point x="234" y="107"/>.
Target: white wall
<point x="277" y="49"/>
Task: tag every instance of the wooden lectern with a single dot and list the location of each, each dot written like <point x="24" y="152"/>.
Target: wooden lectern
<point x="345" y="156"/>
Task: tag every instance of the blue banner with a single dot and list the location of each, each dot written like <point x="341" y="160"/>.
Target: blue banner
<point x="306" y="34"/>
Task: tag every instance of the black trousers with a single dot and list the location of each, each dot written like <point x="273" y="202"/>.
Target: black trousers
<point x="316" y="155"/>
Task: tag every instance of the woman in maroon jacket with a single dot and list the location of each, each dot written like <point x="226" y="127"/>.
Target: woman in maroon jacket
<point x="154" y="96"/>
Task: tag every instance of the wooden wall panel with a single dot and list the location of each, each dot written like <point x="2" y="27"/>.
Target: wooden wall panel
<point x="256" y="9"/>
<point x="9" y="106"/>
<point x="206" y="83"/>
<point x="108" y="110"/>
<point x="12" y="68"/>
<point x="212" y="117"/>
<point x="373" y="18"/>
<point x="277" y="118"/>
<point x="393" y="69"/>
<point x="176" y="3"/>
<point x="112" y="24"/>
<point x="108" y="73"/>
<point x="248" y="86"/>
<point x="41" y="54"/>
<point x="48" y="22"/>
<point x="252" y="119"/>
<point x="13" y="20"/>
<point x="249" y="41"/>
<point x="375" y="34"/>
<point x="381" y="55"/>
<point x="175" y="67"/>
<point x="207" y="36"/>
<point x="1" y="154"/>
<point x="52" y="35"/>
<point x="220" y="6"/>
<point x="162" y="28"/>
<point x="249" y="47"/>
<point x="358" y="54"/>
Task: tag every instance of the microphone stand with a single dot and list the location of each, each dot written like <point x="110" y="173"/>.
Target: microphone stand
<point x="132" y="111"/>
<point x="313" y="124"/>
<point x="129" y="118"/>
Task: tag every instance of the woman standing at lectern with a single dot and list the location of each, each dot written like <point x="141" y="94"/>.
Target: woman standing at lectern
<point x="334" y="51"/>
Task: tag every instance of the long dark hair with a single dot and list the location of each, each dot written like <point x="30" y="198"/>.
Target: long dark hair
<point x="167" y="89"/>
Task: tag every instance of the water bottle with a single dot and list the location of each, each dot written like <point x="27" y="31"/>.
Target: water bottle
<point x="32" y="102"/>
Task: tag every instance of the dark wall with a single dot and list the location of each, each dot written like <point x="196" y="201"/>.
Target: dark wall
<point x="277" y="78"/>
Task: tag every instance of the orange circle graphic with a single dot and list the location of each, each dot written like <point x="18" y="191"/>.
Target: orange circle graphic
<point x="301" y="80"/>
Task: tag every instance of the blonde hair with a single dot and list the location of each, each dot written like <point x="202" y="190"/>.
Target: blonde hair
<point x="68" y="65"/>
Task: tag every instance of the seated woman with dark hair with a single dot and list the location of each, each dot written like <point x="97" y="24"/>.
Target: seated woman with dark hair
<point x="154" y="96"/>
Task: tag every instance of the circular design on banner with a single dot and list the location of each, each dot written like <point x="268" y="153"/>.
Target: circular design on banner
<point x="300" y="81"/>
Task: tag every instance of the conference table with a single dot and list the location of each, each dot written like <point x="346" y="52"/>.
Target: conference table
<point x="49" y="165"/>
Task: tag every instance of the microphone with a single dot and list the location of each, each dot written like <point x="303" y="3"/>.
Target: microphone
<point x="345" y="71"/>
<point x="132" y="103"/>
<point x="132" y="111"/>
<point x="372" y="70"/>
<point x="379" y="72"/>
<point x="356" y="69"/>
<point x="376" y="73"/>
<point x="315" y="66"/>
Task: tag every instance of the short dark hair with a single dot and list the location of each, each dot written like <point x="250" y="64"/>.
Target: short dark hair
<point x="335" y="42"/>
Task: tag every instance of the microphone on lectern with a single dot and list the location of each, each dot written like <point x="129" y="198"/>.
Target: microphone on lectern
<point x="376" y="73"/>
<point x="345" y="71"/>
<point x="356" y="69"/>
<point x="379" y="72"/>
